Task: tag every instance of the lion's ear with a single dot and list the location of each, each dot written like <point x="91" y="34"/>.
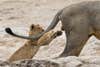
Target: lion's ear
<point x="32" y="27"/>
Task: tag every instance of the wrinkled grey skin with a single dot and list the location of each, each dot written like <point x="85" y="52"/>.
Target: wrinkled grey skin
<point x="79" y="21"/>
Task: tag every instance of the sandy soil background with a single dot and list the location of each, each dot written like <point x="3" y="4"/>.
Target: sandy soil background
<point x="20" y="14"/>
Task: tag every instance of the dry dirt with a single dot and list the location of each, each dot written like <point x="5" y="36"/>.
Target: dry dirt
<point x="20" y="14"/>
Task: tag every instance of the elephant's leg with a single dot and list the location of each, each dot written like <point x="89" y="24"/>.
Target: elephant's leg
<point x="76" y="38"/>
<point x="75" y="43"/>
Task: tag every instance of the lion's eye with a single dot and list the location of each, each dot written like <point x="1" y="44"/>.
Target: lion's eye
<point x="32" y="27"/>
<point x="42" y="30"/>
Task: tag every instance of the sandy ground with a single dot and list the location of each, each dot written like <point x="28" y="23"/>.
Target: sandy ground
<point x="20" y="14"/>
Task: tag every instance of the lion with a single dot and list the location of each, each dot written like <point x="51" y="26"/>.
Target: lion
<point x="31" y="47"/>
<point x="79" y="21"/>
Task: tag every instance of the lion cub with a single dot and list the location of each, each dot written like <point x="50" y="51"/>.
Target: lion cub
<point x="31" y="47"/>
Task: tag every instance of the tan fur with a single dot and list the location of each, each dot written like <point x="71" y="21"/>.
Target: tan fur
<point x="46" y="38"/>
<point x="31" y="47"/>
